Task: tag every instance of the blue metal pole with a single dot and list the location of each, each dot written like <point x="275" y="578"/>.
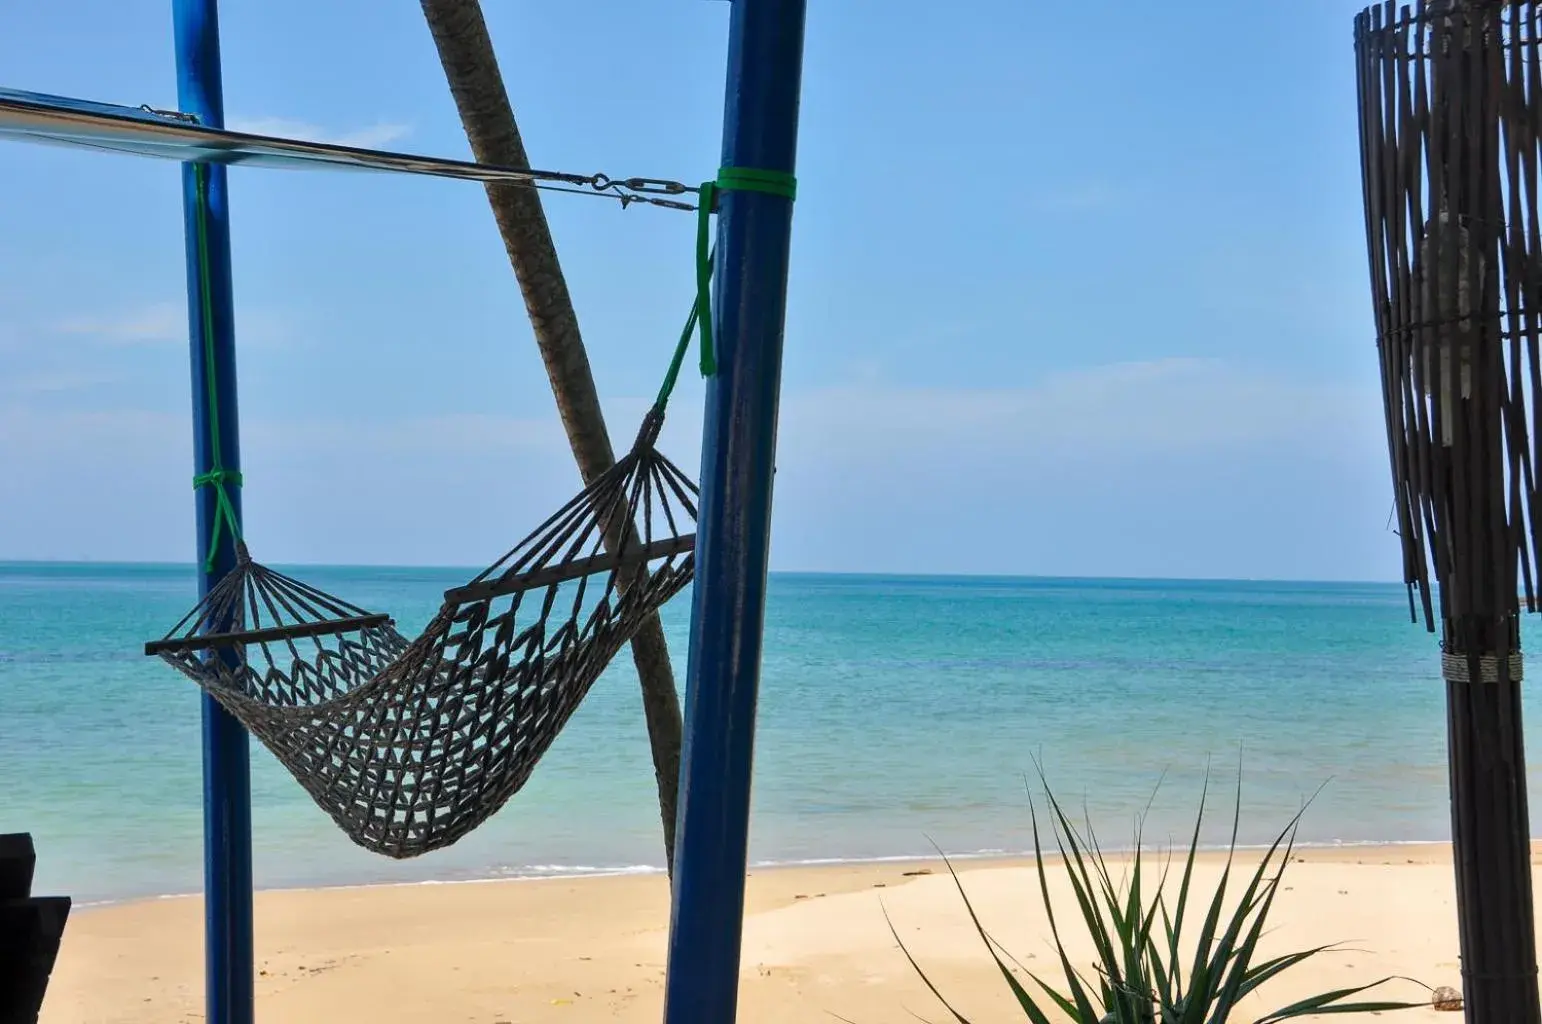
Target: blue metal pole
<point x="760" y="129"/>
<point x="227" y="799"/>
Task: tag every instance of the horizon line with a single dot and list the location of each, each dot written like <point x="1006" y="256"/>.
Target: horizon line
<point x="871" y="574"/>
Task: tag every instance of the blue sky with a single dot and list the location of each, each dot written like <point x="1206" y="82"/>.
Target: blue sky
<point x="1078" y="289"/>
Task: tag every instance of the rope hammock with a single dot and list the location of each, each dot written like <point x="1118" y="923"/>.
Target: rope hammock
<point x="410" y="744"/>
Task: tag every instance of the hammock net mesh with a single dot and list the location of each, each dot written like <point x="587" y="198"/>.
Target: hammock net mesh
<point x="411" y="744"/>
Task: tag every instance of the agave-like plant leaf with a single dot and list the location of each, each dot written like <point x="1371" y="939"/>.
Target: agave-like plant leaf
<point x="1138" y="938"/>
<point x="1025" y="1001"/>
<point x="1116" y="943"/>
<point x="1076" y="1004"/>
<point x="1252" y="911"/>
<point x="958" y="1018"/>
<point x="1328" y="1002"/>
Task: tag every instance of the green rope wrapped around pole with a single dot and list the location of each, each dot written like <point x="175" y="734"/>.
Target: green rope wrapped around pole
<point x="729" y="179"/>
<point x="218" y="476"/>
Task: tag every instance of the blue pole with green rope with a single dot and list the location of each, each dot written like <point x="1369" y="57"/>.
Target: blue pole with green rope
<point x="227" y="802"/>
<point x="741" y="326"/>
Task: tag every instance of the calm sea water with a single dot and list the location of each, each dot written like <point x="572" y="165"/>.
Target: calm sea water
<point x="895" y="712"/>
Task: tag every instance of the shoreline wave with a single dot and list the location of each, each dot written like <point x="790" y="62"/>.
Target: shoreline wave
<point x="578" y="872"/>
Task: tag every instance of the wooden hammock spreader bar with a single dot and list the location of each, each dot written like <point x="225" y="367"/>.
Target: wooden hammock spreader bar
<point x="272" y="633"/>
<point x="574" y="570"/>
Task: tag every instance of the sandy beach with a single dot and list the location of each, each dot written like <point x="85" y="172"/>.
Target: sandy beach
<point x="816" y="944"/>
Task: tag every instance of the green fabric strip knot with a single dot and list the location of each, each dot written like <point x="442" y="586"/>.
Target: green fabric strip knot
<point x="218" y="476"/>
<point x="729" y="179"/>
<point x="224" y="509"/>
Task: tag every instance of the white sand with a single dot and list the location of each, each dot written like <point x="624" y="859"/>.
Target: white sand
<point x="815" y="944"/>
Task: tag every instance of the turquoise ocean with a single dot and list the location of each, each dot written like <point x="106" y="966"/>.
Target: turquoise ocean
<point x="896" y="713"/>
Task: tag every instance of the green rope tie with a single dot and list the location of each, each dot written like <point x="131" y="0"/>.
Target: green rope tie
<point x="224" y="509"/>
<point x="218" y="476"/>
<point x="729" y="179"/>
<point x="679" y="358"/>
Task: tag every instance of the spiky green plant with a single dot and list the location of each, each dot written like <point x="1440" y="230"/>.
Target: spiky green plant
<point x="1139" y="940"/>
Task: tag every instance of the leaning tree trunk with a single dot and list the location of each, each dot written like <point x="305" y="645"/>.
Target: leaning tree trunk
<point x="471" y="68"/>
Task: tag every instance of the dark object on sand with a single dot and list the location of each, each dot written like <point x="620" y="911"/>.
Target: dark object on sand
<point x="1446" y="998"/>
<point x="1450" y="109"/>
<point x="30" y="930"/>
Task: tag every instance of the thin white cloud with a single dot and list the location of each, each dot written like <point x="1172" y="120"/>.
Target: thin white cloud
<point x="408" y="437"/>
<point x="28" y="434"/>
<point x="375" y="136"/>
<point x="166" y="323"/>
<point x="151" y="324"/>
<point x="1170" y="405"/>
<point x="266" y="329"/>
<point x="383" y="489"/>
<point x="1161" y="405"/>
<point x="1079" y="198"/>
<point x="45" y="383"/>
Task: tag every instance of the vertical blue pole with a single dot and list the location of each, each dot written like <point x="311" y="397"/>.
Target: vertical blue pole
<point x="227" y="799"/>
<point x="760" y="128"/>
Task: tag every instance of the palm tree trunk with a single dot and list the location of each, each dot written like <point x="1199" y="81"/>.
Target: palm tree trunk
<point x="471" y="68"/>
